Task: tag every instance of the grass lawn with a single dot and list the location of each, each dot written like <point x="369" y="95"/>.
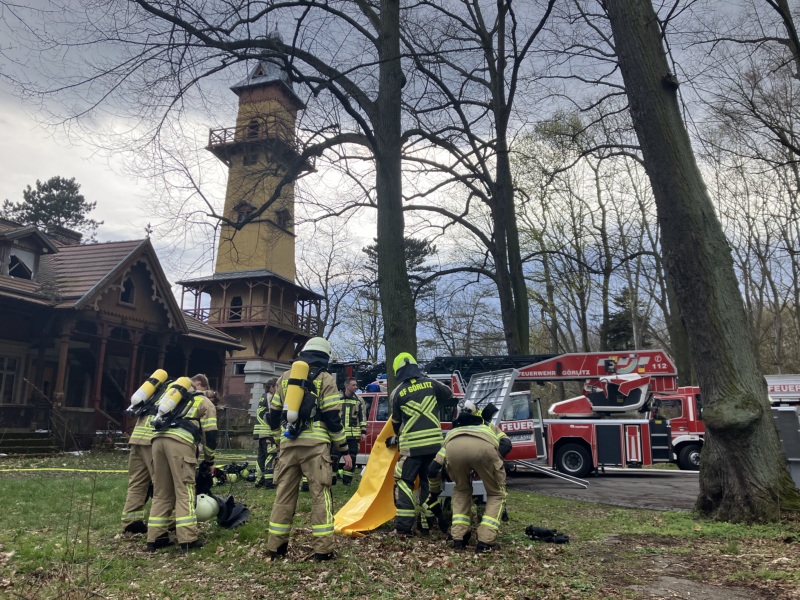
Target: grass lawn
<point x="59" y="538"/>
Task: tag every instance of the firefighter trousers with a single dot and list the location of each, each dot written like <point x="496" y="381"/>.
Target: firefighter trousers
<point x="267" y="453"/>
<point x="352" y="450"/>
<point x="140" y="476"/>
<point x="174" y="472"/>
<point x="466" y="454"/>
<point x="406" y="471"/>
<point x="294" y="462"/>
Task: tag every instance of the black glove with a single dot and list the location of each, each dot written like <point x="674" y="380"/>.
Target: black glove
<point x="432" y="498"/>
<point x="391" y="441"/>
<point x="206" y="466"/>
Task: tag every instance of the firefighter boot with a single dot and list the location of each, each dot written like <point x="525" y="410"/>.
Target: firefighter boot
<point x="162" y="541"/>
<point x="462" y="544"/>
<point x="135" y="527"/>
<point x="484" y="547"/>
<point x="281" y="552"/>
<point x="191" y="545"/>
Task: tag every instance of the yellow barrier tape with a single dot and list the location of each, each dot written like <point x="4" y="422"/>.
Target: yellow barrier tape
<point x="67" y="470"/>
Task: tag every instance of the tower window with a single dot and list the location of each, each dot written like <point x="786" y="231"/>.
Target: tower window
<point x="242" y="210"/>
<point x="235" y="313"/>
<point x="128" y="292"/>
<point x="252" y="129"/>
<point x="283" y="218"/>
<point x="250" y="157"/>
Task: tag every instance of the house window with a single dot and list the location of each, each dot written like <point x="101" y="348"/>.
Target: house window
<point x="243" y="210"/>
<point x="238" y="368"/>
<point x="250" y="157"/>
<point x="19" y="269"/>
<point x="8" y="378"/>
<point x="235" y="313"/>
<point x="284" y="218"/>
<point x="128" y="292"/>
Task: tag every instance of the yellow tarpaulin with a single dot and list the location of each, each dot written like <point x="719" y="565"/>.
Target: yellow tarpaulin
<point x="373" y="503"/>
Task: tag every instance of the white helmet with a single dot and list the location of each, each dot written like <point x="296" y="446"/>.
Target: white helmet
<point x="469" y="407"/>
<point x="207" y="508"/>
<point x="319" y="344"/>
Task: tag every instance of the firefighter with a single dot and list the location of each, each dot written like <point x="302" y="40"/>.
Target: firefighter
<point x="474" y="444"/>
<point x="267" y="446"/>
<point x="311" y="425"/>
<point x="419" y="435"/>
<point x="354" y="422"/>
<point x="140" y="461"/>
<point x="178" y="432"/>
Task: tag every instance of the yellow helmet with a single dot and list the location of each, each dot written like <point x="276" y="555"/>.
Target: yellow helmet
<point x="401" y="360"/>
<point x="320" y="344"/>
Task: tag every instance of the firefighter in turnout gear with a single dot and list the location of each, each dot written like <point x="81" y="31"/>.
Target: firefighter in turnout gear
<point x="474" y="444"/>
<point x="311" y="425"/>
<point x="267" y="438"/>
<point x="178" y="432"/>
<point x="354" y="423"/>
<point x="419" y="435"/>
<point x="140" y="458"/>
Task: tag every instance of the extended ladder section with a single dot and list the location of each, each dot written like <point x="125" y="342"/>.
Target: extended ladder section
<point x="614" y="382"/>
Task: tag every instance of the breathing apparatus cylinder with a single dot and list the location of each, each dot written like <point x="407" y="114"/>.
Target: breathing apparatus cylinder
<point x="173" y="395"/>
<point x="148" y="388"/>
<point x="294" y="392"/>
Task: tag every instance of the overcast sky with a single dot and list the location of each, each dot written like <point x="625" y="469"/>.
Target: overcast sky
<point x="29" y="151"/>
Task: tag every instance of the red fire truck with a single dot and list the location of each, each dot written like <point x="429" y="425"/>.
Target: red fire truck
<point x="599" y="428"/>
<point x="595" y="429"/>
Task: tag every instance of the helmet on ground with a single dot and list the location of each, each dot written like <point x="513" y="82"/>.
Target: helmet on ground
<point x="206" y="508"/>
<point x="401" y="360"/>
<point x="318" y="344"/>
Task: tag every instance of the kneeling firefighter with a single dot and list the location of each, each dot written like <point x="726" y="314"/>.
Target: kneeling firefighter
<point x="186" y="418"/>
<point x="419" y="435"/>
<point x="308" y="402"/>
<point x="474" y="444"/>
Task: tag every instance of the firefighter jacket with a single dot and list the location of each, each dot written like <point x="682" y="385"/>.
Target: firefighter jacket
<point x="325" y="426"/>
<point x="196" y="423"/>
<point x="354" y="416"/>
<point x="414" y="417"/>
<point x="262" y="428"/>
<point x="494" y="439"/>
<point x="142" y="433"/>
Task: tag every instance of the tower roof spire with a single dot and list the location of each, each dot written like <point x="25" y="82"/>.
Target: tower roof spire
<point x="269" y="70"/>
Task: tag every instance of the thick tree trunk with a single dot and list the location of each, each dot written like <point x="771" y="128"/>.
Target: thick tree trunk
<point x="397" y="303"/>
<point x="743" y="476"/>
<point x="680" y="339"/>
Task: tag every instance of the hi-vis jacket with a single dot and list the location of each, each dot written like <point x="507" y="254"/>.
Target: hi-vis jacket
<point x="489" y="435"/>
<point x="354" y="417"/>
<point x="325" y="426"/>
<point x="262" y="428"/>
<point x="414" y="417"/>
<point x="142" y="433"/>
<point x="200" y="414"/>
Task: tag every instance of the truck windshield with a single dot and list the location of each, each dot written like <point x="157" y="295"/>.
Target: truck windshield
<point x="517" y="408"/>
<point x="670" y="408"/>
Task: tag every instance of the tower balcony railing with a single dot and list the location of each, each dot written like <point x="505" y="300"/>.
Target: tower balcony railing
<point x="268" y="128"/>
<point x="254" y="316"/>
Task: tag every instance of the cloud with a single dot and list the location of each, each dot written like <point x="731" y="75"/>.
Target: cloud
<point x="31" y="151"/>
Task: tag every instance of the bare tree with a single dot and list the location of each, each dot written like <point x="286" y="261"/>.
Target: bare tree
<point x="743" y="475"/>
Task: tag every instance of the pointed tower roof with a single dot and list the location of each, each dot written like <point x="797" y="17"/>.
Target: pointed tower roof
<point x="269" y="70"/>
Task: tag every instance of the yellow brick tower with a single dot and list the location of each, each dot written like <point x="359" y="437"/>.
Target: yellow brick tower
<point x="252" y="294"/>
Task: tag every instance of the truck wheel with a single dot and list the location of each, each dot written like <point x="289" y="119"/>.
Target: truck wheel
<point x="574" y="460"/>
<point x="689" y="458"/>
